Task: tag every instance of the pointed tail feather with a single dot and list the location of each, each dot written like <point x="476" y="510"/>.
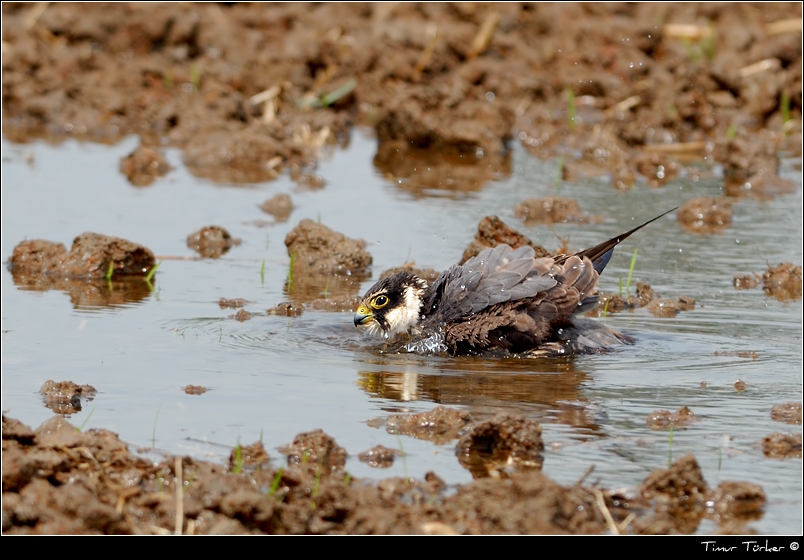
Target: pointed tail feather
<point x="601" y="254"/>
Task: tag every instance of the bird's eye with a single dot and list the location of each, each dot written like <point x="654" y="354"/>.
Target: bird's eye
<point x="379" y="302"/>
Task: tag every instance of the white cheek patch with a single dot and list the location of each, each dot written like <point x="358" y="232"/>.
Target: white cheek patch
<point x="405" y="316"/>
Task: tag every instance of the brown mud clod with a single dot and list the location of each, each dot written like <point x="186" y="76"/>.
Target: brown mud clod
<point x="552" y="210"/>
<point x="705" y="214"/>
<point x="782" y="446"/>
<point x="665" y="420"/>
<point x="443" y="79"/>
<point x="97" y="271"/>
<point x="316" y="249"/>
<point x="93" y="256"/>
<point x="279" y="206"/>
<point x="492" y="231"/>
<point x="211" y="242"/>
<point x="234" y="303"/>
<point x="58" y="480"/>
<point x="379" y="457"/>
<point x="143" y="166"/>
<point x="326" y="267"/>
<point x="439" y="425"/>
<point x="504" y="443"/>
<point x="789" y="413"/>
<point x="65" y="397"/>
<point x="783" y="281"/>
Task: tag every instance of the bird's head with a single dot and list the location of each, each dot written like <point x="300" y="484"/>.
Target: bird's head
<point x="392" y="306"/>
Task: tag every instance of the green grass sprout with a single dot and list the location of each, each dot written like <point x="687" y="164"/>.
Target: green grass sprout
<point x="571" y="111"/>
<point x="110" y="271"/>
<point x="151" y="272"/>
<point x="731" y="132"/>
<point x="262" y="272"/>
<point x="237" y="468"/>
<point x="290" y="272"/>
<point x="153" y="434"/>
<point x="672" y="112"/>
<point x="81" y="427"/>
<point x="276" y="482"/>
<point x="631" y="271"/>
<point x="195" y="76"/>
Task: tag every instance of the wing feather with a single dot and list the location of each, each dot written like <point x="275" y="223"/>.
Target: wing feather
<point x="494" y="276"/>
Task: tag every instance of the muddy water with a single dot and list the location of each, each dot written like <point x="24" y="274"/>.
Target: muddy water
<point x="272" y="377"/>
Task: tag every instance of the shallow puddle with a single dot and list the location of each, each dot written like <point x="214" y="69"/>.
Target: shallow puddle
<point x="271" y="377"/>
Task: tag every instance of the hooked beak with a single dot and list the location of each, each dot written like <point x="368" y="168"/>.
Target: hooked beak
<point x="363" y="316"/>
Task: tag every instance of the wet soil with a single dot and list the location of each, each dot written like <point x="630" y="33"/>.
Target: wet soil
<point x="664" y="419"/>
<point x="143" y="166"/>
<point x="58" y="479"/>
<point x="97" y="271"/>
<point x="211" y="242"/>
<point x="279" y="206"/>
<point x="66" y="397"/>
<point x="250" y="90"/>
<point x="641" y="92"/>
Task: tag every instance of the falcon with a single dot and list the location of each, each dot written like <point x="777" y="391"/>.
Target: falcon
<point x="502" y="301"/>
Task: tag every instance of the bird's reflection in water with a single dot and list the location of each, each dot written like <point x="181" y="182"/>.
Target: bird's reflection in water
<point x="547" y="390"/>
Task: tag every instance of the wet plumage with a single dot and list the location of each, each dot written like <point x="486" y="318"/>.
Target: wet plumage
<point x="502" y="301"/>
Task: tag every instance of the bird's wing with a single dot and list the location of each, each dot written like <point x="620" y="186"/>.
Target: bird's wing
<point x="494" y="276"/>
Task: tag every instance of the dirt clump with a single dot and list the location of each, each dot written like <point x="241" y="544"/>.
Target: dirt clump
<point x="379" y="457"/>
<point x="233" y="303"/>
<point x="279" y="206"/>
<point x="505" y="442"/>
<point x="746" y="281"/>
<point x="57" y="480"/>
<point x="664" y="419"/>
<point x="741" y="500"/>
<point x="782" y="446"/>
<point x="789" y="413"/>
<point x="194" y="389"/>
<point x="783" y="281"/>
<point x="211" y="242"/>
<point x="287" y="309"/>
<point x="661" y="307"/>
<point x="143" y="166"/>
<point x="762" y="185"/>
<point x="745" y="354"/>
<point x="241" y="315"/>
<point x="315" y="450"/>
<point x="98" y="271"/>
<point x="316" y="249"/>
<point x="645" y="297"/>
<point x="439" y="425"/>
<point x="740" y="385"/>
<point x="65" y="397"/>
<point x="705" y="214"/>
<point x="248" y="91"/>
<point x="427" y="274"/>
<point x="552" y="210"/>
<point x="251" y="457"/>
<point x="92" y="256"/>
<point x="492" y="231"/>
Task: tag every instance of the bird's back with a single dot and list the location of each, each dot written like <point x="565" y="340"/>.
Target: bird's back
<point x="505" y="300"/>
